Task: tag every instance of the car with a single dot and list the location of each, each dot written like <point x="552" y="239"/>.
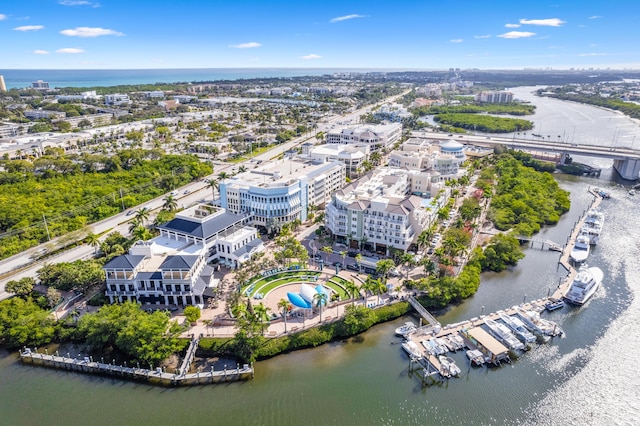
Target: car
<point x="449" y="134"/>
<point x="186" y="191"/>
<point x="318" y="256"/>
<point x="430" y="251"/>
<point x="353" y="267"/>
<point x="130" y="212"/>
<point x="336" y="263"/>
<point x="352" y="253"/>
<point x="394" y="273"/>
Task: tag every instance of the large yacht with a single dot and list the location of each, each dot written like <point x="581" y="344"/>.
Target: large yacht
<point x="580" y="250"/>
<point x="584" y="285"/>
<point x="593" y="224"/>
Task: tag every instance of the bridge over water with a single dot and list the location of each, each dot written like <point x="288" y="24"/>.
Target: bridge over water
<point x="626" y="161"/>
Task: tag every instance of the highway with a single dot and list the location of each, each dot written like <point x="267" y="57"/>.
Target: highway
<point x="23" y="264"/>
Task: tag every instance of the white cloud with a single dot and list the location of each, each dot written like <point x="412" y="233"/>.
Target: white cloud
<point x="71" y="50"/>
<point x="346" y="17"/>
<point x="593" y="54"/>
<point x="89" y="32"/>
<point x="29" y="28"/>
<point x="483" y="36"/>
<point x="457" y="40"/>
<point x="249" y="45"/>
<point x="517" y="34"/>
<point x="3" y="17"/>
<point x="311" y="56"/>
<point x="595" y="17"/>
<point x="40" y="52"/>
<point x="512" y="25"/>
<point x="550" y="22"/>
<point x="78" y="3"/>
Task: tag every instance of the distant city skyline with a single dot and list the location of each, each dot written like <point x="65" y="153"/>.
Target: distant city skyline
<point x="415" y="34"/>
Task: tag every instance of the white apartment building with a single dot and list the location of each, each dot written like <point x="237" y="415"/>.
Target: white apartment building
<point x="380" y="210"/>
<point x="90" y="95"/>
<point x="351" y="156"/>
<point x="172" y="269"/>
<point x="445" y="158"/>
<point x="116" y="99"/>
<point x="392" y="112"/>
<point x="494" y="97"/>
<point x="376" y="137"/>
<point x="94" y="119"/>
<point x="36" y="114"/>
<point x="281" y="191"/>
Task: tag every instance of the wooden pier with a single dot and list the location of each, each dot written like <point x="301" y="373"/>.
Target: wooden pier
<point x="153" y="377"/>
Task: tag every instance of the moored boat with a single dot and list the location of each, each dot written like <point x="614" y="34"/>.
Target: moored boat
<point x="539" y="326"/>
<point x="584" y="285"/>
<point x="448" y="366"/>
<point x="502" y="333"/>
<point x="412" y="349"/>
<point x="476" y="357"/>
<point x="432" y="347"/>
<point x="406" y="329"/>
<point x="554" y="304"/>
<point x="521" y="332"/>
<point x="580" y="250"/>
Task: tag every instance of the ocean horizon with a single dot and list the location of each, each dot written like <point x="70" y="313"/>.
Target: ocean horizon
<point x="58" y="78"/>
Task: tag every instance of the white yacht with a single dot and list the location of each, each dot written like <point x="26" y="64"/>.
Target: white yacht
<point x="475" y="356"/>
<point x="502" y="333"/>
<point x="580" y="250"/>
<point x="593" y="225"/>
<point x="448" y="366"/>
<point x="584" y="285"/>
<point x="412" y="349"/>
<point x="406" y="329"/>
<point x="540" y="326"/>
<point x="518" y="328"/>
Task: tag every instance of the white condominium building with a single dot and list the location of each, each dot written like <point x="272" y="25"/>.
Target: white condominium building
<point x="494" y="97"/>
<point x="351" y="156"/>
<point x="282" y="191"/>
<point x="376" y="137"/>
<point x="445" y="158"/>
<point x="380" y="210"/>
<point x="116" y="99"/>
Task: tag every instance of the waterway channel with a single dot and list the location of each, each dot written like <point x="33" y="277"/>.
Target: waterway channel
<point x="585" y="378"/>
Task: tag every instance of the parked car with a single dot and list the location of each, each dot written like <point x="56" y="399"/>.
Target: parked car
<point x="336" y="263"/>
<point x="352" y="253"/>
<point x="353" y="267"/>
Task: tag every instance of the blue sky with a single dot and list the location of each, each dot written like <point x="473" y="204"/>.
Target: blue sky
<point x="415" y="34"/>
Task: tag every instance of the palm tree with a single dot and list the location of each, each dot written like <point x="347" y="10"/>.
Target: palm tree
<point x="223" y="175"/>
<point x="320" y="299"/>
<point x="261" y="314"/>
<point x="140" y="233"/>
<point x="424" y="238"/>
<point x="408" y="260"/>
<point x="142" y="215"/>
<point x="284" y="305"/>
<point x="170" y="203"/>
<point x="358" y="259"/>
<point x="343" y="253"/>
<point x="93" y="241"/>
<point x="214" y="185"/>
<point x="327" y="250"/>
<point x="353" y="290"/>
<point x="242" y="169"/>
<point x="383" y="267"/>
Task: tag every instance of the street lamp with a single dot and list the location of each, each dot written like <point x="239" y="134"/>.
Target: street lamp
<point x="482" y="311"/>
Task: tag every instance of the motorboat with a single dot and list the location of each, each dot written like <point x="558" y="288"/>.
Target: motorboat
<point x="442" y="344"/>
<point x="406" y="329"/>
<point x="432" y="347"/>
<point x="518" y="328"/>
<point x="539" y="326"/>
<point x="580" y="250"/>
<point x="593" y="224"/>
<point x="554" y="304"/>
<point x="451" y="347"/>
<point x="412" y="349"/>
<point x="476" y="357"/>
<point x="584" y="285"/>
<point x="456" y="341"/>
<point x="502" y="333"/>
<point x="448" y="366"/>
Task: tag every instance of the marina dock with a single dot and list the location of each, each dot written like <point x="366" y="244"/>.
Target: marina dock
<point x="476" y="337"/>
<point x="150" y="376"/>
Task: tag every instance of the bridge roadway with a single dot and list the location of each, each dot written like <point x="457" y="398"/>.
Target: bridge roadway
<point x="626" y="161"/>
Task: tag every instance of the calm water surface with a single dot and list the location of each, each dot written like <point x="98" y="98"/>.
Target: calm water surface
<point x="585" y="378"/>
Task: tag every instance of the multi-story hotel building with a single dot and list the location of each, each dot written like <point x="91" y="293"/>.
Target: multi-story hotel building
<point x="494" y="97"/>
<point x="380" y="210"/>
<point x="282" y="191"/>
<point x="172" y="269"/>
<point x="376" y="137"/>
